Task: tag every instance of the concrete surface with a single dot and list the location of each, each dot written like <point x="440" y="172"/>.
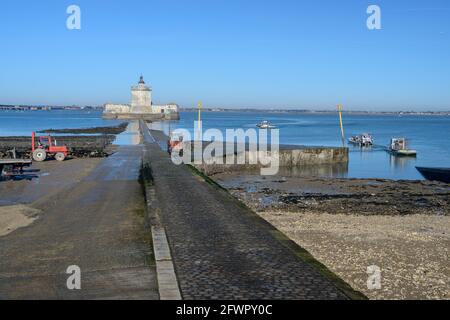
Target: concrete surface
<point x="94" y="221"/>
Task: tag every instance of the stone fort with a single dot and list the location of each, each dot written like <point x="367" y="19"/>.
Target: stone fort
<point x="141" y="106"/>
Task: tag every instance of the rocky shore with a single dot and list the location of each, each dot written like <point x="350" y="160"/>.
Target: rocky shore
<point x="82" y="143"/>
<point x="339" y="196"/>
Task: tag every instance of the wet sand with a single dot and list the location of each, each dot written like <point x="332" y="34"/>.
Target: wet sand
<point x="403" y="227"/>
<point x="15" y="217"/>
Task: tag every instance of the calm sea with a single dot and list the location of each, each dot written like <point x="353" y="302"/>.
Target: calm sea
<point x="22" y="123"/>
<point x="429" y="135"/>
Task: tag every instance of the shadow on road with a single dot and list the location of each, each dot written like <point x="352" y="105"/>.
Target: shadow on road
<point x="20" y="176"/>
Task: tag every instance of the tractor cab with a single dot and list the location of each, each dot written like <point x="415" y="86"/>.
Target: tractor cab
<point x="46" y="142"/>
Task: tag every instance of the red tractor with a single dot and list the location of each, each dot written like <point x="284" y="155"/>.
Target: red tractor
<point x="47" y="147"/>
<point x="175" y="144"/>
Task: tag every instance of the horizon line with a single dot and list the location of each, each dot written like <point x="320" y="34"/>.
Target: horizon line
<point x="235" y="109"/>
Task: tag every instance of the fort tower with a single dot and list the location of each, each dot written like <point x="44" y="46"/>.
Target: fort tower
<point x="141" y="98"/>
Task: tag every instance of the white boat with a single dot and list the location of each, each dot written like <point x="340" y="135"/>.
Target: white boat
<point x="363" y="140"/>
<point x="355" y="140"/>
<point x="366" y="139"/>
<point x="265" y="125"/>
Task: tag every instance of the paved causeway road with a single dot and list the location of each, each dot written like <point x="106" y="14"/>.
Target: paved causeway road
<point x="220" y="249"/>
<point x="96" y="224"/>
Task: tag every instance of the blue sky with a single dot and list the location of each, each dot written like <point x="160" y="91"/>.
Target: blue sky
<point x="228" y="53"/>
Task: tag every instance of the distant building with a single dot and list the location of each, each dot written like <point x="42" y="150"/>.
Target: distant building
<point x="141" y="106"/>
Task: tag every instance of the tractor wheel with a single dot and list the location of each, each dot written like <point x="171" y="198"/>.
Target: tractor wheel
<point x="39" y="155"/>
<point x="60" y="156"/>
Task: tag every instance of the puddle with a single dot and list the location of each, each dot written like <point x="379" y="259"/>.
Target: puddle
<point x="130" y="137"/>
<point x="6" y="203"/>
<point x="267" y="201"/>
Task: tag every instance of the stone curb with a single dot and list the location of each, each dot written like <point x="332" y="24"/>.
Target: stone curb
<point x="168" y="286"/>
<point x="167" y="280"/>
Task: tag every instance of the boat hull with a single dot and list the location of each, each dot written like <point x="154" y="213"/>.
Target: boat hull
<point x="435" y="174"/>
<point x="364" y="140"/>
<point x="404" y="153"/>
<point x="266" y="128"/>
<point x="361" y="144"/>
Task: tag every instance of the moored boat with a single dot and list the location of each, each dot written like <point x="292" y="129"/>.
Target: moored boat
<point x="435" y="174"/>
<point x="364" y="140"/>
<point x="265" y="125"/>
<point x="399" y="147"/>
<point x="355" y="140"/>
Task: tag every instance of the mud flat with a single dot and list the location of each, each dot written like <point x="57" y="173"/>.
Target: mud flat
<point x="403" y="227"/>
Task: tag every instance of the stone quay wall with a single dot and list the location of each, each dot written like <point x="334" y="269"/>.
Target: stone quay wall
<point x="288" y="157"/>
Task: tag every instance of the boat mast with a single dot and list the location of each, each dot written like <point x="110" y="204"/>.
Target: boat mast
<point x="339" y="107"/>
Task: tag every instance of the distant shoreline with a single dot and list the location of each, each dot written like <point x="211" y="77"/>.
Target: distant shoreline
<point x="324" y="112"/>
<point x="247" y="110"/>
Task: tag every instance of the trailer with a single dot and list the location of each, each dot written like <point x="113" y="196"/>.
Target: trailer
<point x="13" y="165"/>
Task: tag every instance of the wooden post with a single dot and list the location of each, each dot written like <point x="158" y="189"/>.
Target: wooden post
<point x="339" y="107"/>
<point x="199" y="107"/>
